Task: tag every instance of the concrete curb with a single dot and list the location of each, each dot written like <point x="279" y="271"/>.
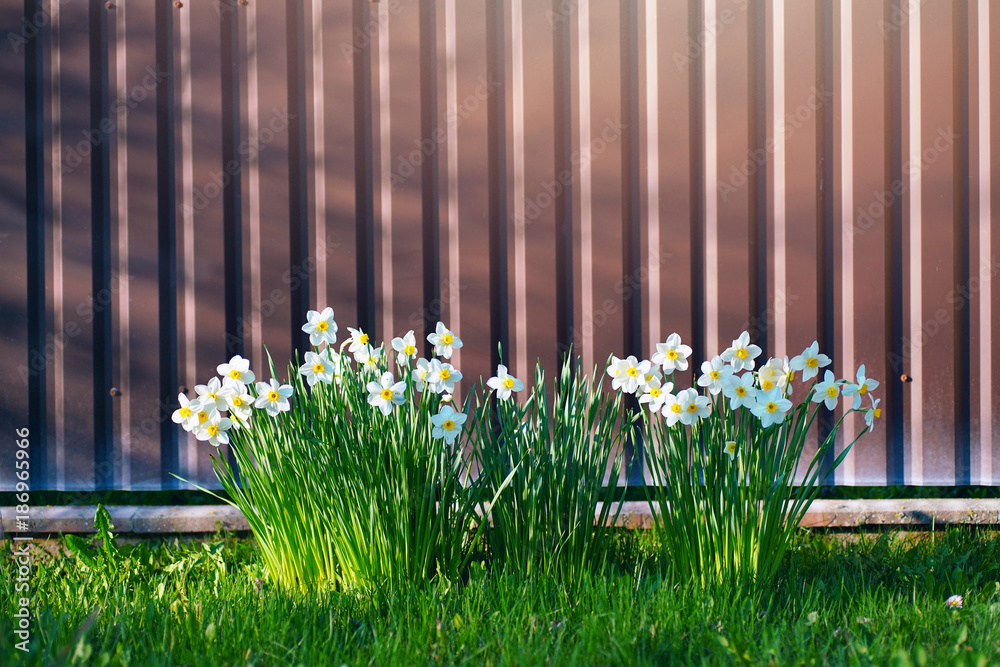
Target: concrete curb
<point x="162" y="520"/>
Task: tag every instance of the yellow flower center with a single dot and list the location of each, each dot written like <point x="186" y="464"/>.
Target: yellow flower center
<point x="692" y="408"/>
<point x="676" y="407"/>
<point x="767" y="385"/>
<point x="447" y="339"/>
<point x="832" y="392"/>
<point x="654" y="392"/>
<point x="322" y="325"/>
<point x="202" y="417"/>
<point x="319" y="368"/>
<point x="410" y="350"/>
<point x="237" y="401"/>
<point x="672" y="355"/>
<point x="509" y="383"/>
<point x="363" y="339"/>
<point x="272" y="396"/>
<point x="234" y="374"/>
<point x="387" y="394"/>
<point x="877" y="412"/>
<point x="731" y="447"/>
<point x="445" y="374"/>
<point x="212" y="396"/>
<point x="741" y="391"/>
<point x="742" y="353"/>
<point x="863" y="389"/>
<point x="448" y="425"/>
<point x="791" y="376"/>
<point x="714" y="374"/>
<point x="185" y="412"/>
<point x="632" y="372"/>
<point x="812" y="362"/>
<point x="772" y="407"/>
<point x="213" y="429"/>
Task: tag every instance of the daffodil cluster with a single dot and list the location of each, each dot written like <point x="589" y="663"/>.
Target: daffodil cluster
<point x="764" y="392"/>
<point x="228" y="401"/>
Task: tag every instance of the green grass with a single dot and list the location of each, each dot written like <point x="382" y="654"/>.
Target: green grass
<point x="863" y="600"/>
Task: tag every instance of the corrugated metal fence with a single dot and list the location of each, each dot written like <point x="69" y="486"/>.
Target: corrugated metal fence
<point x="181" y="181"/>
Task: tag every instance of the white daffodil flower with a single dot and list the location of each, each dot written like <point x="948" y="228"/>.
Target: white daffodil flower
<point x="655" y="395"/>
<point x="318" y="368"/>
<point x="672" y="409"/>
<point x="203" y="413"/>
<point x="873" y="413"/>
<point x="740" y="391"/>
<point x="386" y="393"/>
<point x="694" y="406"/>
<point x="238" y="369"/>
<point x="359" y="343"/>
<point x="827" y="391"/>
<point x="444" y="341"/>
<point x="442" y="377"/>
<point x="714" y="374"/>
<point x="421" y="374"/>
<point x="771" y="407"/>
<point x="654" y="378"/>
<point x="731" y="449"/>
<point x="214" y="393"/>
<point x="776" y="373"/>
<point x="320" y="327"/>
<point x="240" y="403"/>
<point x="504" y="384"/>
<point x="370" y="358"/>
<point x="447" y="424"/>
<point x="214" y="430"/>
<point x="809" y="362"/>
<point x="405" y="347"/>
<point x="273" y="397"/>
<point x="859" y="390"/>
<point x="629" y="373"/>
<point x="741" y="353"/>
<point x="187" y="414"/>
<point x="672" y="355"/>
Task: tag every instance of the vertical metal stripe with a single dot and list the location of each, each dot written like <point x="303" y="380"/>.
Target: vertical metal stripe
<point x="586" y="196"/>
<point x="187" y="231"/>
<point x="253" y="185"/>
<point x="711" y="157"/>
<point x="364" y="188"/>
<point x="319" y="152"/>
<point x="562" y="76"/>
<point x="778" y="132"/>
<point x="100" y="229"/>
<point x="232" y="207"/>
<point x="654" y="255"/>
<point x="35" y="199"/>
<point x="517" y="155"/>
<point x="846" y="474"/>
<point x="385" y="157"/>
<point x="824" y="202"/>
<point x="696" y="191"/>
<point x="916" y="265"/>
<point x="985" y="258"/>
<point x="961" y="222"/>
<point x="125" y="399"/>
<point x="757" y="276"/>
<point x="631" y="211"/>
<point x="58" y="316"/>
<point x="429" y="181"/>
<point x="496" y="159"/>
<point x="451" y="91"/>
<point x="894" y="278"/>
<point x="298" y="175"/>
<point x="166" y="204"/>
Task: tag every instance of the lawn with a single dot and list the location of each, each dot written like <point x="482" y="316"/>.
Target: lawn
<point x="838" y="599"/>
